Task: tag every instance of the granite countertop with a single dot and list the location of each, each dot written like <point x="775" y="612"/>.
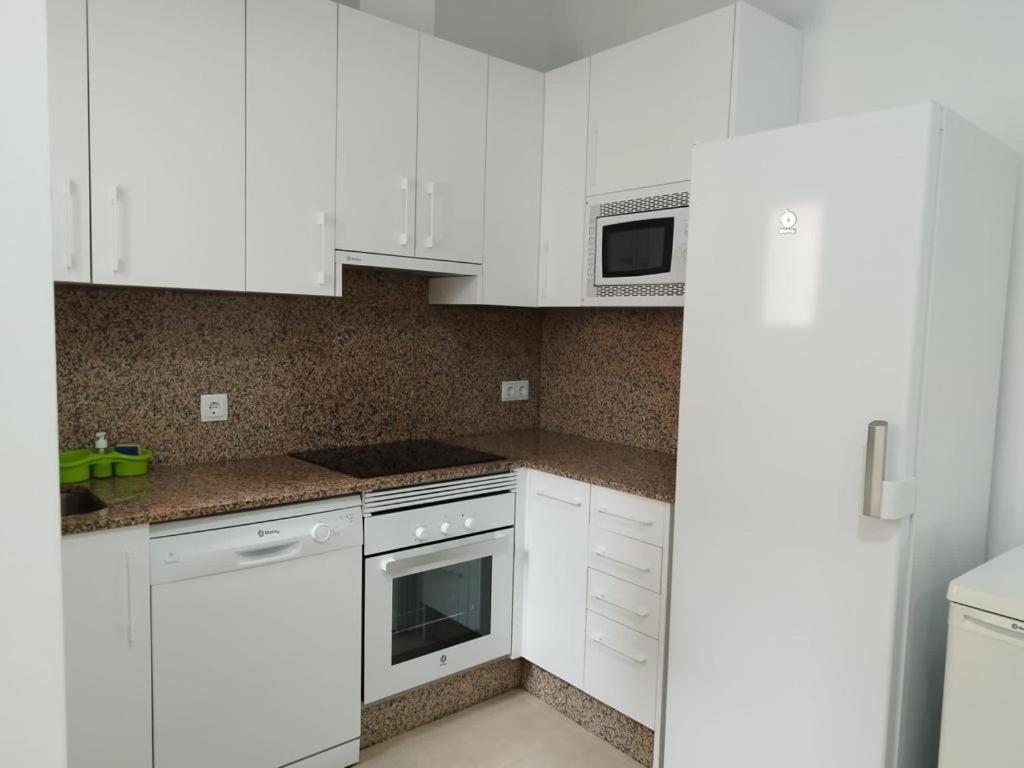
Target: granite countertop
<point x="177" y="492"/>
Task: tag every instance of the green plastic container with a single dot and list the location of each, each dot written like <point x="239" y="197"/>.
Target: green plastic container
<point x="75" y="465"/>
<point x="126" y="465"/>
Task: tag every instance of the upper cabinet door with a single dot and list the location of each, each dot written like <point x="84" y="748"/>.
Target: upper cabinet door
<point x="452" y="138"/>
<point x="378" y="71"/>
<point x="69" y="138"/>
<point x="515" y="127"/>
<point x="291" y="92"/>
<point x="564" y="185"/>
<point x="651" y="99"/>
<point x="166" y="91"/>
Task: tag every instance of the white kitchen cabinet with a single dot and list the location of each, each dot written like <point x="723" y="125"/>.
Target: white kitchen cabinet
<point x="450" y="155"/>
<point x="167" y="125"/>
<point x="107" y="648"/>
<point x="652" y="98"/>
<point x="291" y="54"/>
<point x="555" y="590"/>
<point x="515" y="126"/>
<point x="564" y="183"/>
<point x="378" y="83"/>
<point x="69" y="138"/>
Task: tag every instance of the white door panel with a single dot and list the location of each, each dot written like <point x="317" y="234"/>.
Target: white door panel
<point x="452" y="138"/>
<point x="291" y="93"/>
<point x="167" y="124"/>
<point x="378" y="81"/>
<point x="793" y="343"/>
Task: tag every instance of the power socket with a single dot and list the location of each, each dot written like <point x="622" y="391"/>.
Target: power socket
<point x="213" y="407"/>
<point x="515" y="390"/>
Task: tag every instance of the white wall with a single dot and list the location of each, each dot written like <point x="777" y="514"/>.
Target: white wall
<point x="418" y="14"/>
<point x="32" y="731"/>
<point x="870" y="54"/>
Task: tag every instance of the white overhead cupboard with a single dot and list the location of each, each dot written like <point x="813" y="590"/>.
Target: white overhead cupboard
<point x="167" y="138"/>
<point x="291" y="53"/>
<point x="261" y="144"/>
<point x="69" y="139"/>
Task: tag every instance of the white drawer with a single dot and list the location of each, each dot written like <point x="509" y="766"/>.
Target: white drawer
<point x="621" y="668"/>
<point x="628" y="559"/>
<point x="625" y="603"/>
<point x="633" y="516"/>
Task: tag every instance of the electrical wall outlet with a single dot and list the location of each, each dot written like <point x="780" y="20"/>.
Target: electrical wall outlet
<point x="515" y="390"/>
<point x="213" y="407"/>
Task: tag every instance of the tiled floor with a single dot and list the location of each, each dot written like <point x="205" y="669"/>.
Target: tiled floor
<point x="516" y="730"/>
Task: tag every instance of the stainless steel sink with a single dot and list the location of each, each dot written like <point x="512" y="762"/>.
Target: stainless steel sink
<point x="75" y="500"/>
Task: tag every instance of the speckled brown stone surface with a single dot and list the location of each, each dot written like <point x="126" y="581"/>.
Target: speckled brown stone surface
<point x="612" y="374"/>
<point x="621" y="732"/>
<point x="621" y="467"/>
<point x="300" y="372"/>
<point x="197" y="490"/>
<point x="386" y="719"/>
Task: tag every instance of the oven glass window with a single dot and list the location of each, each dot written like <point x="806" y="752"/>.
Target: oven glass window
<point x="434" y="610"/>
<point x="635" y="248"/>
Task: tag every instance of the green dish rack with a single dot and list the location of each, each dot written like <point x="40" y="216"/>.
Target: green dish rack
<point x="81" y="464"/>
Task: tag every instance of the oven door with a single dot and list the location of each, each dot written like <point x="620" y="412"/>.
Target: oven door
<point x="434" y="610"/>
<point x="646" y="247"/>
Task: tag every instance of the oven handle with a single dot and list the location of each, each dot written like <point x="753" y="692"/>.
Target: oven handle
<point x="415" y="558"/>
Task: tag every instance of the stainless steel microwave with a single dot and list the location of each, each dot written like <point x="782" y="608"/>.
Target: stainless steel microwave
<point x="637" y="244"/>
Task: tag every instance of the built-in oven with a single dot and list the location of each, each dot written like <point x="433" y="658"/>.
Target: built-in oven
<point x="637" y="243"/>
<point x="438" y="564"/>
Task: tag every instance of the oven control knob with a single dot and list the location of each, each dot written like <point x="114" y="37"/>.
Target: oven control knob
<point x="445" y="527"/>
<point x="470" y="523"/>
<point x="321" y="532"/>
<point x="421" y="533"/>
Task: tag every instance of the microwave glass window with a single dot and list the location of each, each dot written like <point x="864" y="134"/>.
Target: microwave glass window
<point x="634" y="248"/>
<point x="436" y="609"/>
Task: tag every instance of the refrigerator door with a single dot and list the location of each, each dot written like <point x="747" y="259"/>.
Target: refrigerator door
<point x="808" y="256"/>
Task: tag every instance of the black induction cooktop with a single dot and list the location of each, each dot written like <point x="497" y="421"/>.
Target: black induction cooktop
<point x="394" y="458"/>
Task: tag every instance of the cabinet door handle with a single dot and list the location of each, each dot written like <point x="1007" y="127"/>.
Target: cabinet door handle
<point x="321" y="220"/>
<point x="428" y="241"/>
<point x="68" y="193"/>
<point x="403" y="239"/>
<point x="642" y="613"/>
<point x="639" y="658"/>
<point x="874" y="472"/>
<point x="129" y="617"/>
<point x="638" y="520"/>
<point x="602" y="552"/>
<point x="574" y="502"/>
<point x="114" y="195"/>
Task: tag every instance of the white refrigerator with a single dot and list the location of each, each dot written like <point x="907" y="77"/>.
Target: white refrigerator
<point x="842" y="342"/>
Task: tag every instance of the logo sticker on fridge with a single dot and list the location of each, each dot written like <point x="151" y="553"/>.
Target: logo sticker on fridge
<point x="788" y="222"/>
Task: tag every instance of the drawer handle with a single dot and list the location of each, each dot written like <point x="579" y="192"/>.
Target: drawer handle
<point x="630" y="518"/>
<point x="642" y="613"/>
<point x="571" y="502"/>
<point x="639" y="658"/>
<point x="601" y="552"/>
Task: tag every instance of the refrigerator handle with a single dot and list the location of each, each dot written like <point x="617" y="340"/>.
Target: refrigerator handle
<point x="885" y="499"/>
<point x="874" y="470"/>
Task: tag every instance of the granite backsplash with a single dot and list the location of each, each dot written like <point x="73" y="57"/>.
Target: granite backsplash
<point x="379" y="364"/>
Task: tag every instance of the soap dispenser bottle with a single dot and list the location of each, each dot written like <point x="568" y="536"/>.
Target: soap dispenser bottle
<point x="100" y="442"/>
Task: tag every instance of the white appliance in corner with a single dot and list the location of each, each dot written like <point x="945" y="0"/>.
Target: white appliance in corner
<point x="846" y="292"/>
<point x="256" y="641"/>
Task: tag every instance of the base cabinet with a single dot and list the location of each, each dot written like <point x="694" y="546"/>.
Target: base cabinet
<point x="107" y="648"/>
<point x="596" y="620"/>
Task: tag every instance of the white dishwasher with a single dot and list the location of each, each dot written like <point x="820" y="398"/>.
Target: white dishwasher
<point x="256" y="638"/>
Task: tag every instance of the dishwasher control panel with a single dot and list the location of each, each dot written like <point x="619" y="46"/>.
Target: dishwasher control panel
<point x="242" y="542"/>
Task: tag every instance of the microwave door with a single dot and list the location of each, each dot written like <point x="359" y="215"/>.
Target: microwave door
<point x="647" y="247"/>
